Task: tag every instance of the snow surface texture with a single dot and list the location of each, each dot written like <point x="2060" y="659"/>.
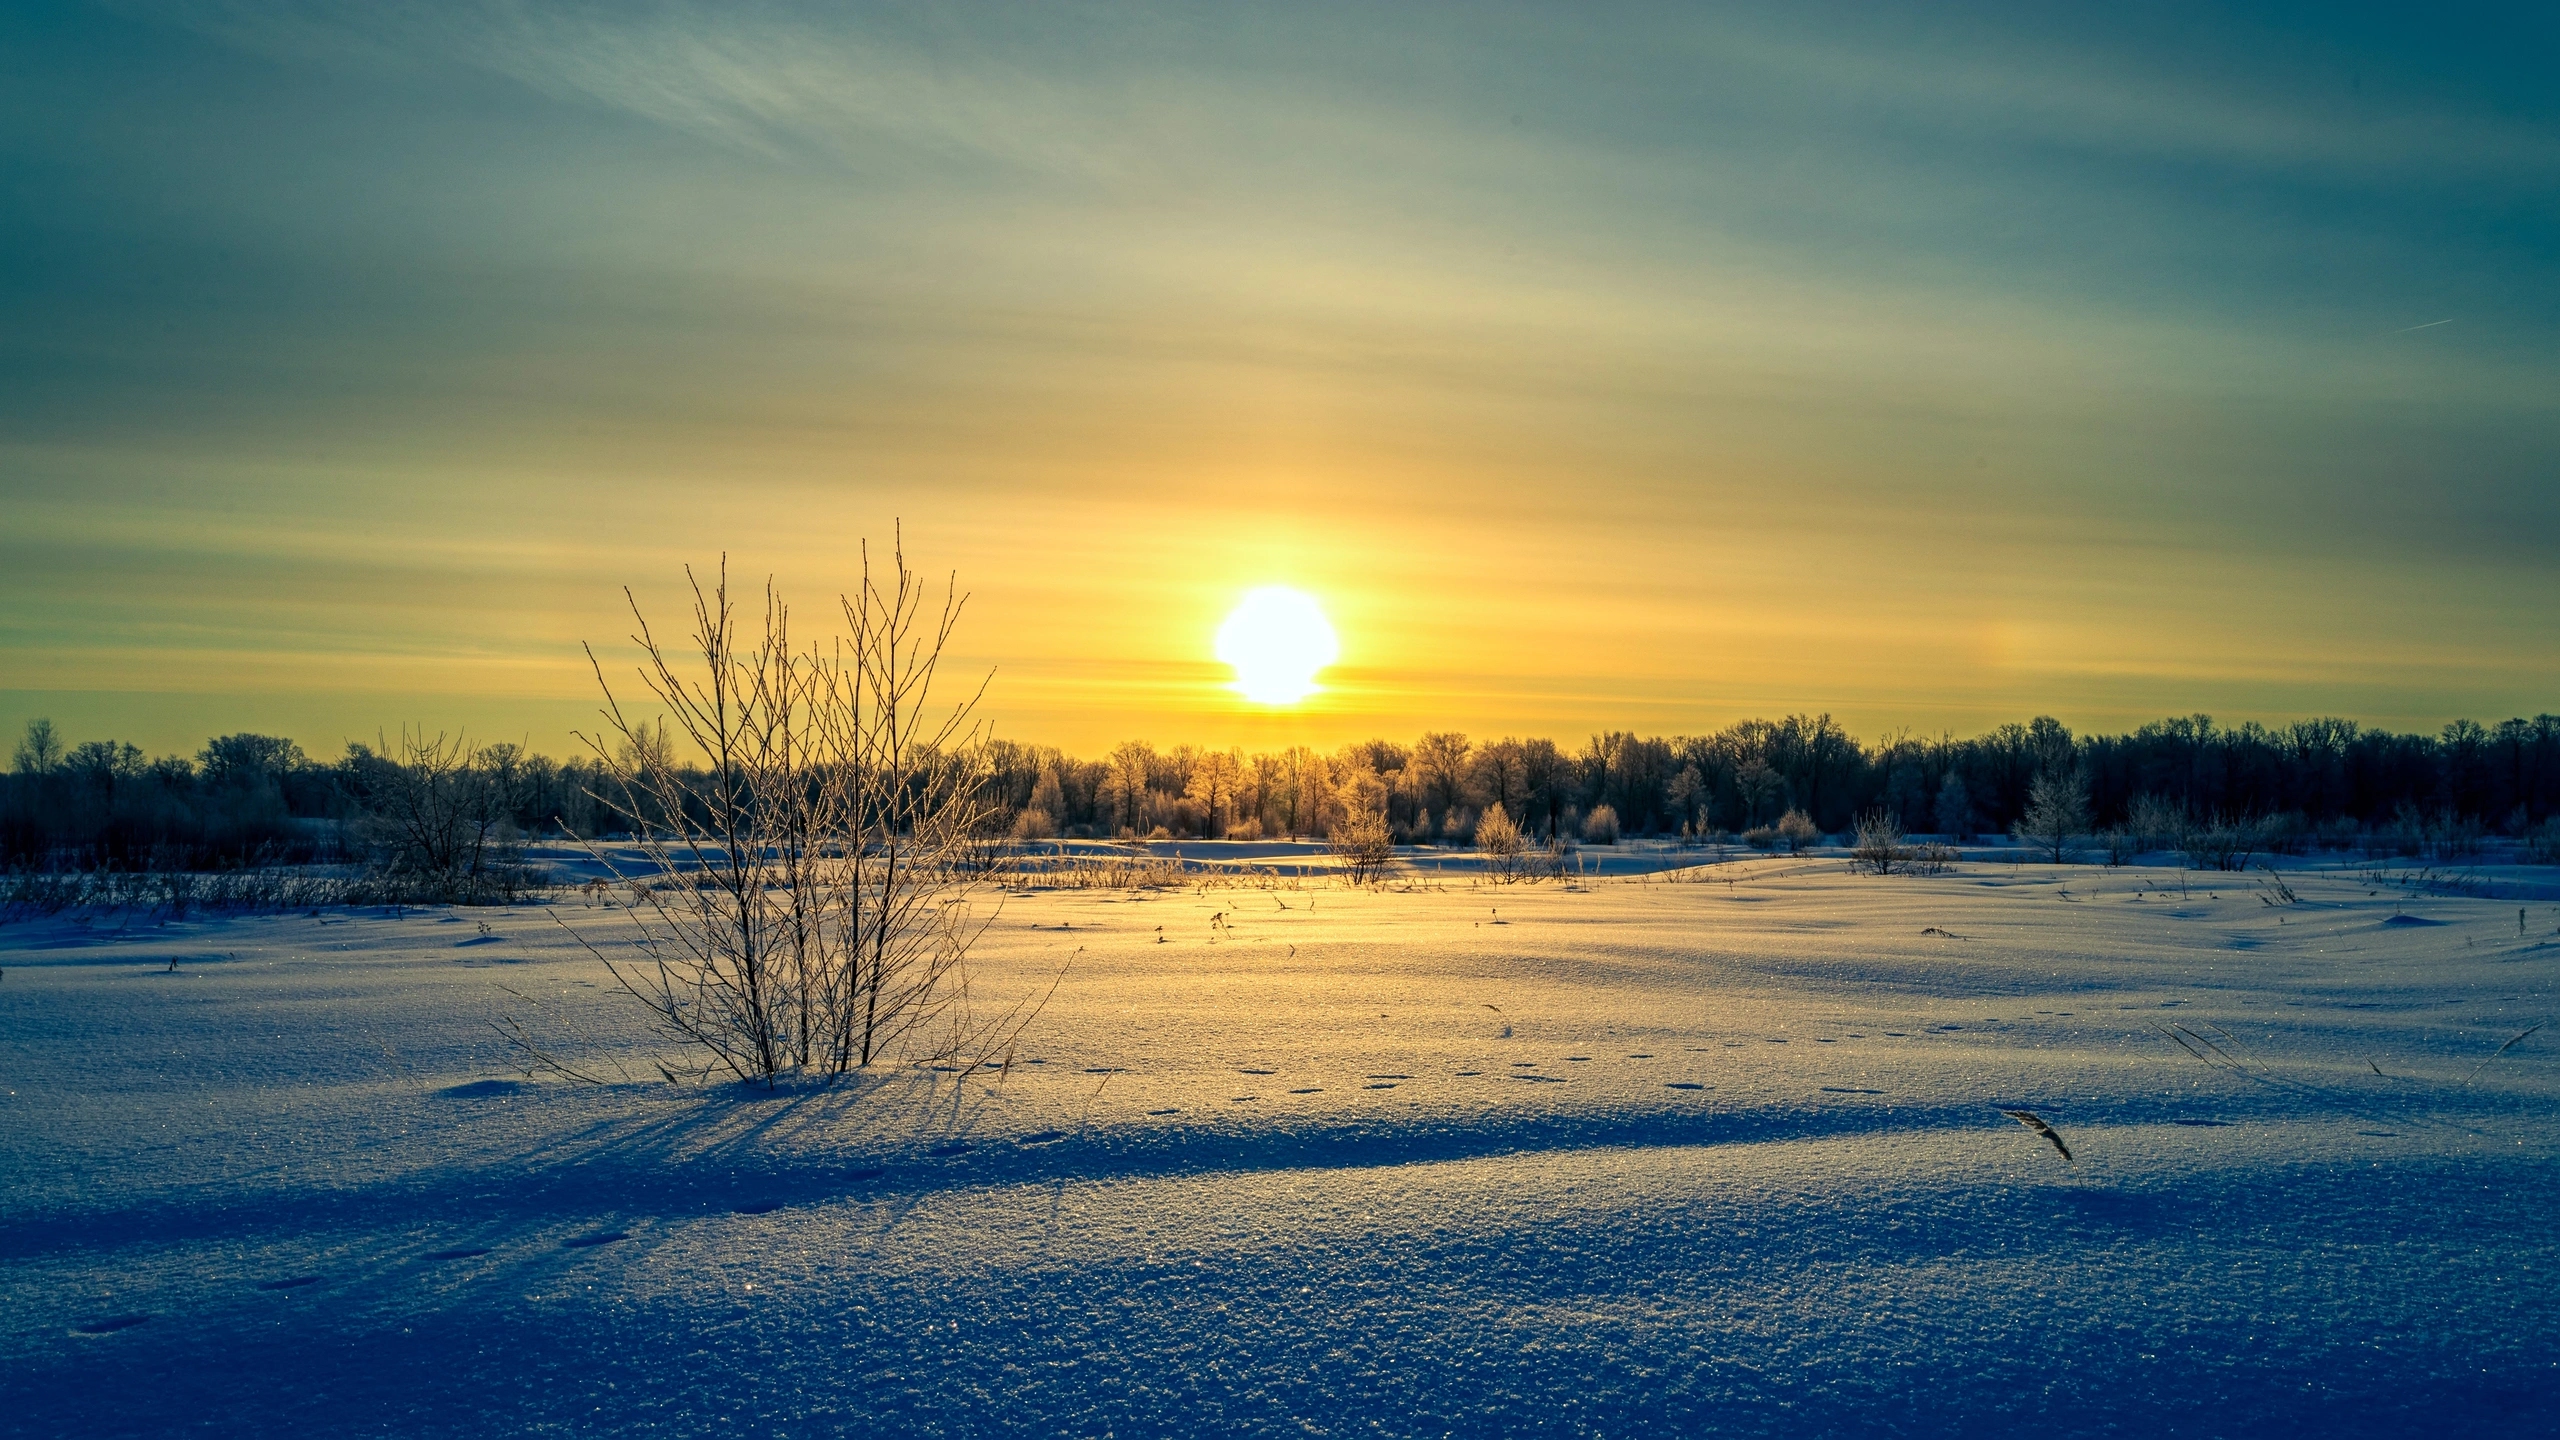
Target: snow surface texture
<point x="1634" y="1157"/>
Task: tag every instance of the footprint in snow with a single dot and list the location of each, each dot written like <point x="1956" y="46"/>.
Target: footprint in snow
<point x="1257" y="1072"/>
<point x="1542" y="1079"/>
<point x="1847" y="1090"/>
<point x="1386" y="1077"/>
<point x="589" y="1242"/>
<point x="467" y="1252"/>
<point x="1164" y="1112"/>
<point x="1310" y="1090"/>
<point x="1577" y="1059"/>
<point x="956" y="1147"/>
<point x="1468" y="1072"/>
<point x="1382" y="1085"/>
<point x="1042" y="1137"/>
<point x="1633" y="1055"/>
<point x="294" y="1283"/>
<point x="1683" y="1085"/>
<point x="481" y="1089"/>
<point x="108" y="1326"/>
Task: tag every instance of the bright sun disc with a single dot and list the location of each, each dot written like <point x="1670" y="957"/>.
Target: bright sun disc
<point x="1277" y="640"/>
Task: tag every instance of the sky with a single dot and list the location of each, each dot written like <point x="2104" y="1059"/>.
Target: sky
<point x="1594" y="366"/>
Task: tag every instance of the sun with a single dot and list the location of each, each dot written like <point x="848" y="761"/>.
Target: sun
<point x="1277" y="639"/>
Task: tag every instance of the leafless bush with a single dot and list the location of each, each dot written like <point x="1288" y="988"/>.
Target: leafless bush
<point x="2542" y="846"/>
<point x="1881" y="847"/>
<point x="1600" y="827"/>
<point x="1761" y="837"/>
<point x="2121" y="843"/>
<point x="2223" y="843"/>
<point x="2156" y="822"/>
<point x="1797" y="832"/>
<point x="1930" y="857"/>
<point x="1364" y="845"/>
<point x="1500" y="842"/>
<point x="826" y="843"/>
<point x="436" y="819"/>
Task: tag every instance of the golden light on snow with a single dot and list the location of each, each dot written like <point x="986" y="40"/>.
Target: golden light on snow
<point x="1277" y="639"/>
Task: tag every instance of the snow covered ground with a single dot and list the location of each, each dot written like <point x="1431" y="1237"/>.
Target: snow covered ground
<point x="1719" y="1152"/>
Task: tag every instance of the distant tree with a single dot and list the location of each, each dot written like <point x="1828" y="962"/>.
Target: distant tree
<point x="249" y="760"/>
<point x="2057" y="812"/>
<point x="101" y="763"/>
<point x="1125" y="787"/>
<point x="1049" y="797"/>
<point x="1758" y="785"/>
<point x="1544" y="775"/>
<point x="1440" y="770"/>
<point x="40" y="752"/>
<point x="1954" y="808"/>
<point x="1797" y="832"/>
<point x="1687" y="792"/>
<point x="1216" y="779"/>
<point x="1499" y="774"/>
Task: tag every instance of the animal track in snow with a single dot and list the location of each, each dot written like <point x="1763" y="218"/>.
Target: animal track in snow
<point x="1683" y="1085"/>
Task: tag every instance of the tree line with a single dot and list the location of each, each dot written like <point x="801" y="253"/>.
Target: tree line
<point x="430" y="801"/>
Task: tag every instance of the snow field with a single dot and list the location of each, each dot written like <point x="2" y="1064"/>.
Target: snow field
<point x="1287" y="1172"/>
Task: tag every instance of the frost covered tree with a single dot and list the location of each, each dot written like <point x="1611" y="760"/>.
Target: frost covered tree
<point x="1954" y="809"/>
<point x="2057" y="812"/>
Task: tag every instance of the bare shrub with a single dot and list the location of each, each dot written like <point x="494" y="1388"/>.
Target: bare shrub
<point x="1600" y="827"/>
<point x="1361" y="840"/>
<point x="2222" y="843"/>
<point x="2057" y="813"/>
<point x="1880" y="847"/>
<point x="821" y="920"/>
<point x="1034" y="825"/>
<point x="2542" y="846"/>
<point x="2156" y="822"/>
<point x="1930" y="857"/>
<point x="1249" y="828"/>
<point x="1761" y="837"/>
<point x="1797" y="832"/>
<point x="1499" y="841"/>
<point x="2121" y="844"/>
<point x="437" y="818"/>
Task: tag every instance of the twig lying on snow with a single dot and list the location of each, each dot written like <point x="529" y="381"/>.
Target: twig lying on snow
<point x="2035" y="1122"/>
<point x="2501" y="1050"/>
